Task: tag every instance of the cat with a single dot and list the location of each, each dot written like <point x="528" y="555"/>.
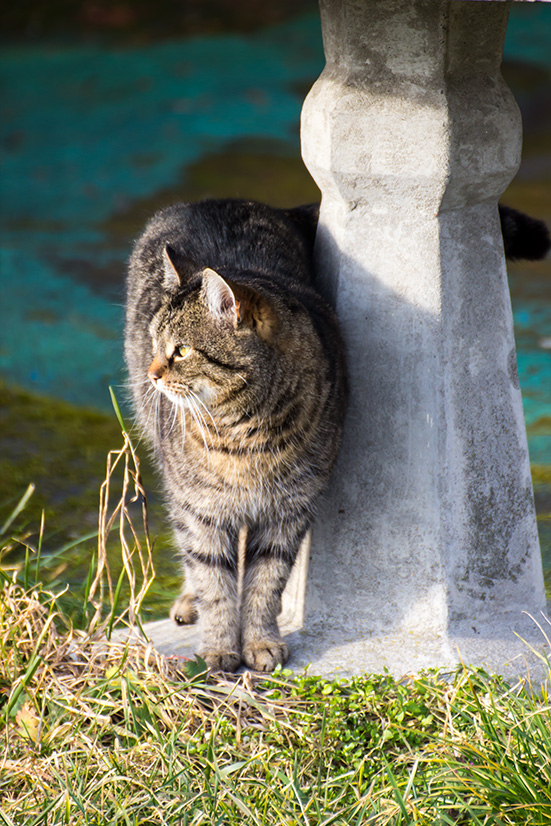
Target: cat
<point x="239" y="383"/>
<point x="223" y="319"/>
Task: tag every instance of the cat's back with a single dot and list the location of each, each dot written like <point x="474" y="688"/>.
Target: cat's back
<point x="228" y="233"/>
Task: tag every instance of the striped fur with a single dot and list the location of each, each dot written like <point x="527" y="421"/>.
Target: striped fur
<point x="238" y="378"/>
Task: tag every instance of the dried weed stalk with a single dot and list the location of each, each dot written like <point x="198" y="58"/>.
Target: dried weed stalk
<point x="136" y="552"/>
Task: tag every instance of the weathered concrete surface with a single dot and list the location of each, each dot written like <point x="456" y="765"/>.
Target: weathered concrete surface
<point x="513" y="646"/>
<point x="429" y="526"/>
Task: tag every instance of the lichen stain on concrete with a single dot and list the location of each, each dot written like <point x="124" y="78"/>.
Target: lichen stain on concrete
<point x="512" y="369"/>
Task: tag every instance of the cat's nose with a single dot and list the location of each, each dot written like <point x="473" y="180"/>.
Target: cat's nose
<point x="156" y="370"/>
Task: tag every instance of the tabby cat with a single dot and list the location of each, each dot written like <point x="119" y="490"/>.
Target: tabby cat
<point x="238" y="376"/>
<point x="224" y="321"/>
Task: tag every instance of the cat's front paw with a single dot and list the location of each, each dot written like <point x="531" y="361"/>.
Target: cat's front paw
<point x="221" y="660"/>
<point x="183" y="610"/>
<point x="265" y="655"/>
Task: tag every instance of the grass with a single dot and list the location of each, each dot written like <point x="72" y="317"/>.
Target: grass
<point x="114" y="733"/>
<point x="96" y="730"/>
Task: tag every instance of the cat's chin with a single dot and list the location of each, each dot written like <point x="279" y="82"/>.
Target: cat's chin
<point x="173" y="397"/>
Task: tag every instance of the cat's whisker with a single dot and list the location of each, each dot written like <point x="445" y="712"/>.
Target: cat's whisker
<point x="150" y="396"/>
<point x="137" y="382"/>
<point x="157" y="419"/>
<point x="149" y="391"/>
<point x="173" y="419"/>
<point x="194" y="413"/>
<point x="183" y="426"/>
<point x="174" y="407"/>
<point x="200" y="418"/>
<point x="205" y="408"/>
<point x="147" y="316"/>
<point x="192" y="401"/>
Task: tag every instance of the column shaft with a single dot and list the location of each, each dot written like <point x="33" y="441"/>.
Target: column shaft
<point x="412" y="135"/>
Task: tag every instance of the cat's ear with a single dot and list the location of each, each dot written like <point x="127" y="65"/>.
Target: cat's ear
<point x="219" y="297"/>
<point x="177" y="269"/>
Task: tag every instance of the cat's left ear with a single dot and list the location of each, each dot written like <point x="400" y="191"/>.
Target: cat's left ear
<point x="177" y="269"/>
<point x="219" y="297"/>
<point x="172" y="279"/>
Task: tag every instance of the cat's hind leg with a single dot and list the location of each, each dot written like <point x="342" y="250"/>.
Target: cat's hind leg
<point x="210" y="558"/>
<point x="270" y="553"/>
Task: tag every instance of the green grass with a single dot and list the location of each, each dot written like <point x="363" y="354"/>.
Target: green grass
<point x="109" y="732"/>
<point x="116" y="734"/>
<point x="97" y="733"/>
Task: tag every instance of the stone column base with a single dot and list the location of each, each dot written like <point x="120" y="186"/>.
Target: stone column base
<point x="512" y="646"/>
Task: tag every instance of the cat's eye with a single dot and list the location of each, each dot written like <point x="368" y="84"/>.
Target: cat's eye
<point x="182" y="351"/>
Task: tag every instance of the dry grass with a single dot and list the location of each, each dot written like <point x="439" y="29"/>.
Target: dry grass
<point x="75" y="706"/>
<point x="136" y="550"/>
<point x="70" y="695"/>
<point x="38" y="657"/>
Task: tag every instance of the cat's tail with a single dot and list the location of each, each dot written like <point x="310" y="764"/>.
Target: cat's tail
<point x="523" y="236"/>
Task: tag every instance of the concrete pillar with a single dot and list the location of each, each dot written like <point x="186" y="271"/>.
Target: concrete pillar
<point x="428" y="536"/>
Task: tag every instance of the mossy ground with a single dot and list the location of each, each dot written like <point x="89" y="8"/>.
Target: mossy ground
<point x="62" y="450"/>
<point x="258" y="169"/>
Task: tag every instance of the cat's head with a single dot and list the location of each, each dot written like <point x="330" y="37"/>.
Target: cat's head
<point x="213" y="341"/>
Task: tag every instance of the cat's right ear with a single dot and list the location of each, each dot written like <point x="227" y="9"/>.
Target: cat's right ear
<point x="172" y="279"/>
<point x="219" y="297"/>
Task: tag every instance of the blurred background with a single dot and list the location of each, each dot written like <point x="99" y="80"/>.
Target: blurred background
<point x="111" y="110"/>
